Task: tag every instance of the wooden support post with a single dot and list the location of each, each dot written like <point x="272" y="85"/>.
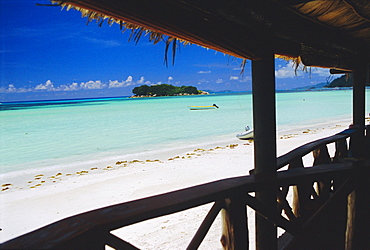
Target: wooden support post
<point x="358" y="220"/>
<point x="341" y="150"/>
<point x="359" y="78"/>
<point x="264" y="124"/>
<point x="321" y="156"/>
<point x="234" y="225"/>
<point x="358" y="202"/>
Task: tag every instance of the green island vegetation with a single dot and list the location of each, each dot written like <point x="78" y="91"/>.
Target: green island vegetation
<point x="165" y="90"/>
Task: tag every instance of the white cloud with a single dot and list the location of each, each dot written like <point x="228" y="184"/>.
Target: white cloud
<point x="23" y="90"/>
<point x="3" y="90"/>
<point x="11" y="88"/>
<point x="219" y="80"/>
<point x="73" y="86"/>
<point x="89" y="85"/>
<point x="204" y="72"/>
<point x="92" y="85"/>
<point x="287" y="71"/>
<point x="141" y="81"/>
<point x="116" y="84"/>
<point x="129" y="80"/>
<point x="49" y="86"/>
<point x="234" y="77"/>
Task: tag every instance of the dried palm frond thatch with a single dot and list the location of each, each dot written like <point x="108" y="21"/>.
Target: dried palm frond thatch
<point x="350" y="16"/>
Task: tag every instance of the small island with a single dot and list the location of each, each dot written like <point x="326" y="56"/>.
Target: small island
<point x="165" y="90"/>
<point x="343" y="81"/>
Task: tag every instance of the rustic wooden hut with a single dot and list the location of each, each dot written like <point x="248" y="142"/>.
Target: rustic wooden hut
<point x="333" y="214"/>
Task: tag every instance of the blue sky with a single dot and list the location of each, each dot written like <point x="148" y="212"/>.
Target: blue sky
<point x="49" y="53"/>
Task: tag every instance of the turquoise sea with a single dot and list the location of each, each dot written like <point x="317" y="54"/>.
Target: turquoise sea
<point x="73" y="133"/>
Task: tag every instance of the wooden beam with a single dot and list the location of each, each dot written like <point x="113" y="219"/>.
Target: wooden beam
<point x="318" y="57"/>
<point x="337" y="71"/>
<point x="264" y="125"/>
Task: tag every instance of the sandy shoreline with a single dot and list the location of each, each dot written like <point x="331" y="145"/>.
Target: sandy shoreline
<point x="49" y="198"/>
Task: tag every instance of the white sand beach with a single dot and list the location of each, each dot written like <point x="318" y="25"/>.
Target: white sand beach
<point x="44" y="202"/>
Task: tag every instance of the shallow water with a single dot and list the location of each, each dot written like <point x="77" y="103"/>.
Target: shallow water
<point x="61" y="134"/>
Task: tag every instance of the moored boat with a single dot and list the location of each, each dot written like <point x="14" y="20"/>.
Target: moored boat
<point x="246" y="135"/>
<point x="214" y="106"/>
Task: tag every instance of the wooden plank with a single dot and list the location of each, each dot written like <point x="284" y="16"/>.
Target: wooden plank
<point x="120" y="215"/>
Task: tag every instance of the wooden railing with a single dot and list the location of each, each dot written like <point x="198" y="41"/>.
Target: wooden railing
<point x="320" y="194"/>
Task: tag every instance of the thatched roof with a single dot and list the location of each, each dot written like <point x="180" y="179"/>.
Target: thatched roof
<point x="323" y="33"/>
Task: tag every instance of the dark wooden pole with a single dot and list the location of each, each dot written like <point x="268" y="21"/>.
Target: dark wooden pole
<point x="359" y="78"/>
<point x="264" y="125"/>
<point x="358" y="220"/>
<point x="234" y="225"/>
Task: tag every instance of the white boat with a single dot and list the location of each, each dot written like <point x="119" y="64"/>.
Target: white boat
<point x="214" y="106"/>
<point x="247" y="134"/>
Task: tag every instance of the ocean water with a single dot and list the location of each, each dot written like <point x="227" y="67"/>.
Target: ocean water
<point x="75" y="133"/>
